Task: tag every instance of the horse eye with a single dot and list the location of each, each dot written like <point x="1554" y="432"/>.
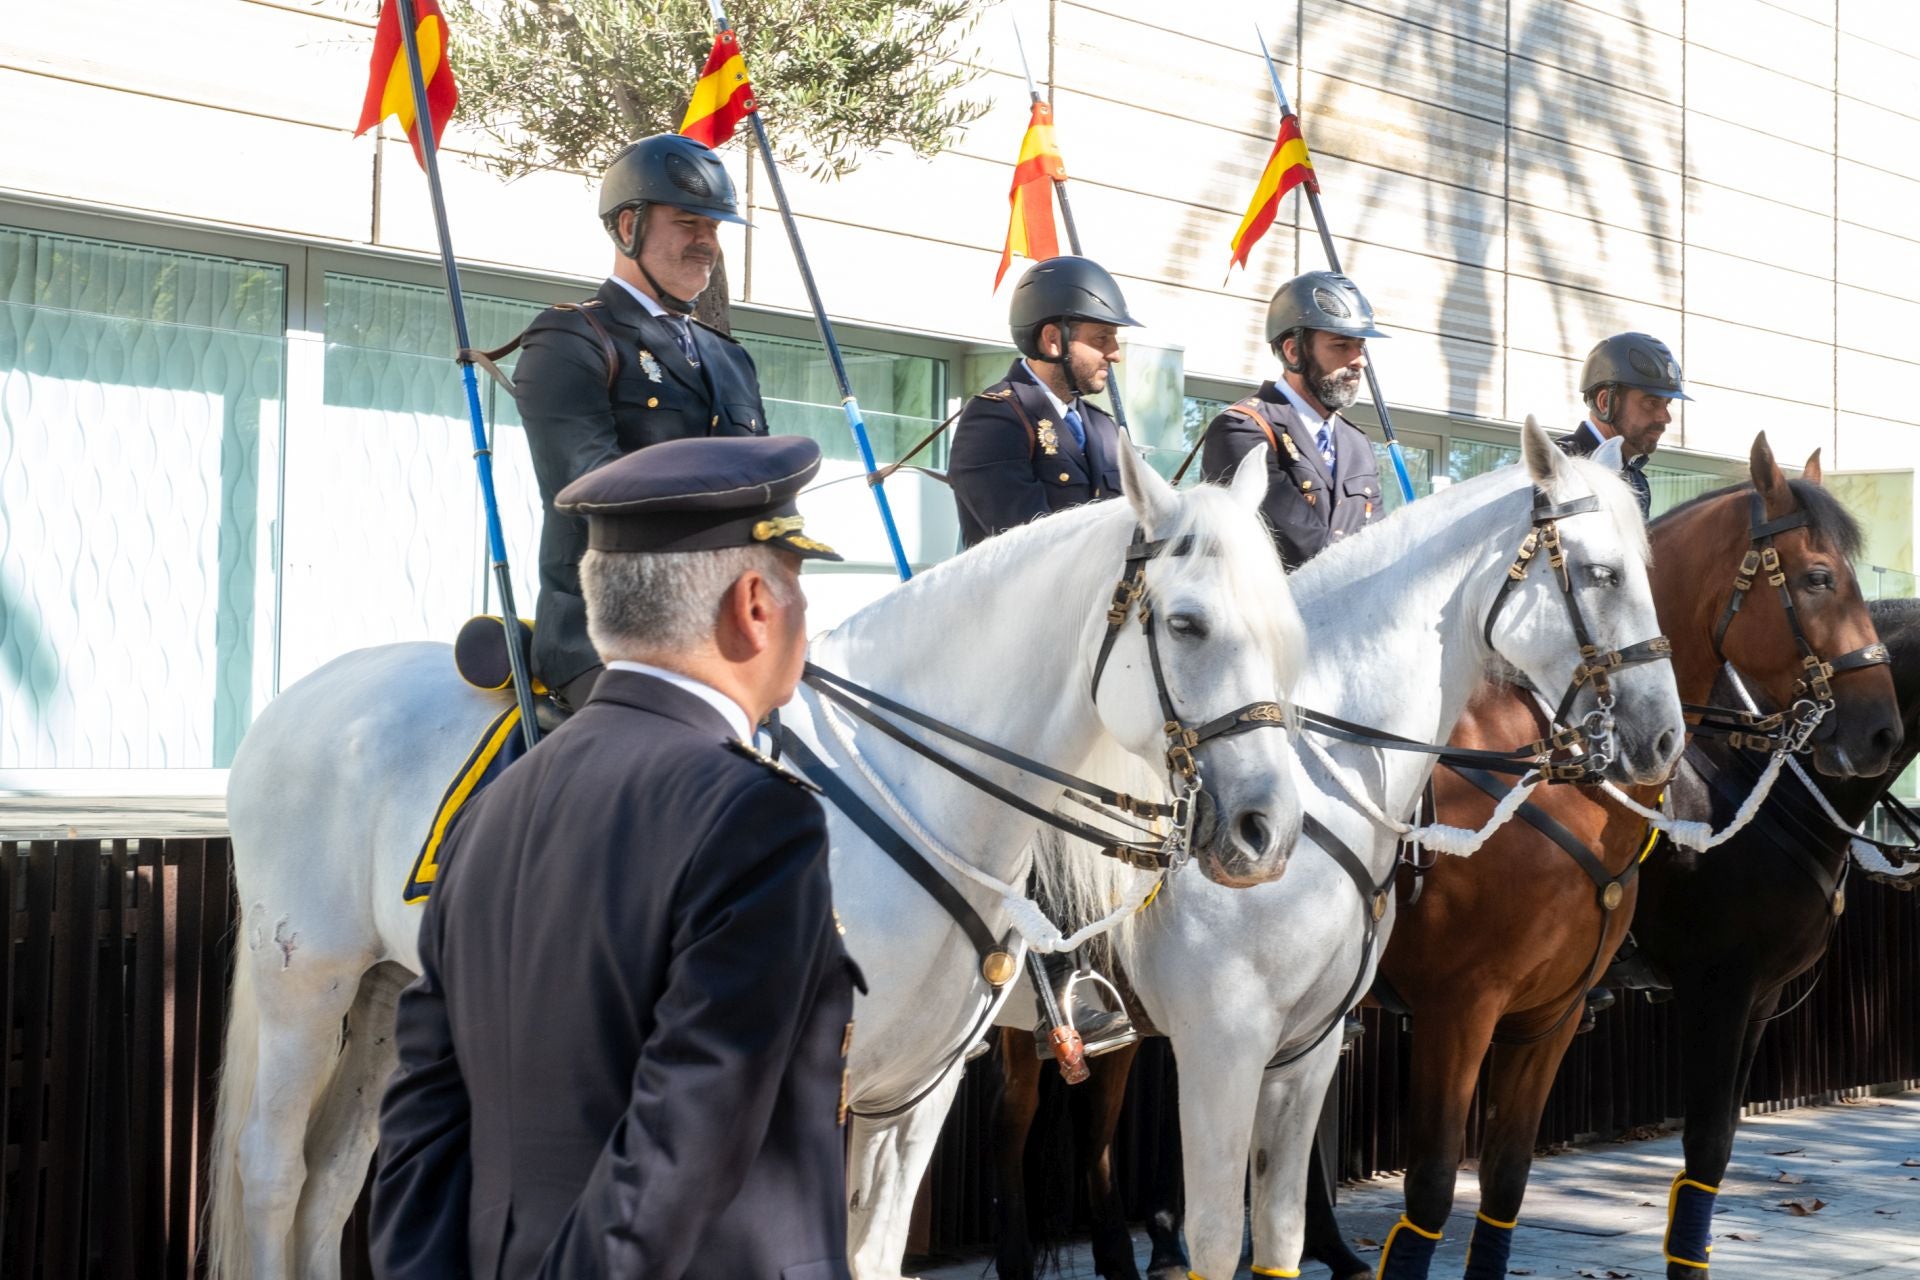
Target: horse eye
<point x="1190" y="625"/>
<point x="1820" y="580"/>
<point x="1602" y="576"/>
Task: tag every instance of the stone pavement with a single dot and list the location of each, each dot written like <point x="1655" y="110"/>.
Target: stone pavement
<point x="1600" y="1211"/>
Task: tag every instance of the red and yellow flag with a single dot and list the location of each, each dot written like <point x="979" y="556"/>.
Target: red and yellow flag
<point x="724" y="96"/>
<point x="1030" y="231"/>
<point x="1287" y="168"/>
<point x="390" y="86"/>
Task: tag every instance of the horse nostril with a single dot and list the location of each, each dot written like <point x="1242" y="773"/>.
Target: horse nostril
<point x="1666" y="744"/>
<point x="1886" y="740"/>
<point x="1253" y="830"/>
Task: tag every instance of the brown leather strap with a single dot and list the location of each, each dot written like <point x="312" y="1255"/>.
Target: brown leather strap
<point x="488" y="360"/>
<point x="881" y="475"/>
<point x="1249" y="407"/>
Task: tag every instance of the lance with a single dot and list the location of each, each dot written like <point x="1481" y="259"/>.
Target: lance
<point x="875" y="481"/>
<point x="482" y="449"/>
<point x="1066" y="216"/>
<point x="1333" y="262"/>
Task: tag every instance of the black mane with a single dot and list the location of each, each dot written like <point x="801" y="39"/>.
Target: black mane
<point x="1827" y="517"/>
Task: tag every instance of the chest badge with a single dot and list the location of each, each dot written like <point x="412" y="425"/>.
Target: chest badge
<point x="1049" y="442"/>
<point x="649" y="366"/>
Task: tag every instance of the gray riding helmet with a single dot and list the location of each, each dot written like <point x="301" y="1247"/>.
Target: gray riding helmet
<point x="1063" y="288"/>
<point x="1324" y="300"/>
<point x="667" y="169"/>
<point x="1636" y="360"/>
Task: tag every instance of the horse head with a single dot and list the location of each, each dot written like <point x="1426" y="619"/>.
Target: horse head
<point x="1586" y="625"/>
<point x="1783" y="607"/>
<point x="1199" y="653"/>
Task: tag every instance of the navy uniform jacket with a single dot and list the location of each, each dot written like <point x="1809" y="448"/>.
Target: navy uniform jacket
<point x="623" y="1056"/>
<point x="1014" y="459"/>
<point x="1583" y="440"/>
<point x="1305" y="508"/>
<point x="574" y="423"/>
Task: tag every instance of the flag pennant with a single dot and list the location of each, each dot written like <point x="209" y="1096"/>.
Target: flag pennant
<point x="723" y="97"/>
<point x="390" y="85"/>
<point x="1030" y="230"/>
<point x="1288" y="167"/>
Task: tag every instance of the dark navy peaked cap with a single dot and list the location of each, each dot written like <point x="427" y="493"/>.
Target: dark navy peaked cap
<point x="700" y="494"/>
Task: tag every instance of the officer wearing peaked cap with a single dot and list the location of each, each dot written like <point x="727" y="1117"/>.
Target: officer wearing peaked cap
<point x="1323" y="481"/>
<point x="625" y="1053"/>
<point x="628" y="368"/>
<point x="1629" y="382"/>
<point x="1031" y="443"/>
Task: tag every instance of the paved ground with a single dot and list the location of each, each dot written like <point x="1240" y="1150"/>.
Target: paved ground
<point x="1600" y="1211"/>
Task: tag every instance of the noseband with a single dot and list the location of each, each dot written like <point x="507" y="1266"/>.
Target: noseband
<point x="1182" y="771"/>
<point x="1595" y="667"/>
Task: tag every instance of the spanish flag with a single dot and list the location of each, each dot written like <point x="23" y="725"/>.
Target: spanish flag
<point x="390" y="86"/>
<point x="1030" y="231"/>
<point x="1287" y="168"/>
<point x="723" y="97"/>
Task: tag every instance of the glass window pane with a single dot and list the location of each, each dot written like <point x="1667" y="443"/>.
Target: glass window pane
<point x="138" y="388"/>
<point x="1469" y="458"/>
<point x="1671" y="487"/>
<point x="1419" y="460"/>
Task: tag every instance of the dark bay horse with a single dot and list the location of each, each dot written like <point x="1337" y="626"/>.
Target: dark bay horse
<point x="1509" y="939"/>
<point x="1500" y="948"/>
<point x="1777" y="890"/>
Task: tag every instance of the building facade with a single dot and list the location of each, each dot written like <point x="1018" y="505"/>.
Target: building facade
<point x="233" y="445"/>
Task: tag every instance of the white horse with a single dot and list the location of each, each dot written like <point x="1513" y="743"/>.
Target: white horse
<point x="1396" y="621"/>
<point x="331" y="793"/>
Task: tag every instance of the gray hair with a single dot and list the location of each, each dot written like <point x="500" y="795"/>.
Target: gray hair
<point x="642" y="604"/>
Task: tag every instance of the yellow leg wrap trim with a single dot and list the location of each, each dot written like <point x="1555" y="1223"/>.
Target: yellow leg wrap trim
<point x="1274" y="1271"/>
<point x="1387" y="1248"/>
<point x="1495" y="1222"/>
<point x="1673" y="1195"/>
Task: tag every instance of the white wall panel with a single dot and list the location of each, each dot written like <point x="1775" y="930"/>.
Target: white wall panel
<point x="1410" y="59"/>
<point x="1765" y="230"/>
<point x="1596" y="185"/>
<point x="1758" y="163"/>
<point x="1732" y="89"/>
<point x="1571" y="36"/>
<point x="1766" y="34"/>
<point x="1749" y="292"/>
<point x="1785" y="366"/>
<point x="1877" y="385"/>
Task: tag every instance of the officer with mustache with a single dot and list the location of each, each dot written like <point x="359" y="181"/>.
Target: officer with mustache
<point x="1323" y="480"/>
<point x="628" y="368"/>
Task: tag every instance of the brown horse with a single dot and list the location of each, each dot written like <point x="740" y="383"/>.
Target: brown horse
<point x="1500" y="948"/>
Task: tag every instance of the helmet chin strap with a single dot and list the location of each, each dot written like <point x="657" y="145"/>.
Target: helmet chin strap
<point x="1066" y="362"/>
<point x="631" y="248"/>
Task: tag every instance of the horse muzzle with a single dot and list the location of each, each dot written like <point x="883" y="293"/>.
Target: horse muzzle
<point x="1857" y="738"/>
<point x="1244" y="846"/>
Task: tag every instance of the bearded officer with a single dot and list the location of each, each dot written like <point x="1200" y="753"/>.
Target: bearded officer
<point x="1323" y="482"/>
<point x="1629" y="382"/>
<point x="624" y="1055"/>
<point x="627" y="369"/>
<point x="1031" y="443"/>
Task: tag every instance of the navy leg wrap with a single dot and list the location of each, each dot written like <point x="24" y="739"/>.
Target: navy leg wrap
<point x="1690" y="1222"/>
<point x="1408" y="1252"/>
<point x="1488" y="1249"/>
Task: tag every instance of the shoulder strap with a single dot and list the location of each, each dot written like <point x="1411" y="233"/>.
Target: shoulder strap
<point x="1020" y="412"/>
<point x="488" y="360"/>
<point x="1249" y="407"/>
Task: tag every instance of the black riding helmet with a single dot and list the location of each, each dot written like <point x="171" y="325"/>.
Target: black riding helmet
<point x="1323" y="300"/>
<point x="1636" y="360"/>
<point x="671" y="170"/>
<point x="1058" y="291"/>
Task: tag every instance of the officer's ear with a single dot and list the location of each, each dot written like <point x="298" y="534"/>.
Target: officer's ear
<point x="1153" y="499"/>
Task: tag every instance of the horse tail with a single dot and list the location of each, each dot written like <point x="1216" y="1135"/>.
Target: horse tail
<point x="225" y="1226"/>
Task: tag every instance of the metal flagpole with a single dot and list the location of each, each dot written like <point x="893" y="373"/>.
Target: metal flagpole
<point x="1066" y="216"/>
<point x="847" y="400"/>
<point x="1333" y="262"/>
<point x="482" y="451"/>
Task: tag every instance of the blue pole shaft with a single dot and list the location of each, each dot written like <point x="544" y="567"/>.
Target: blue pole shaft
<point x="1333" y="263"/>
<point x="482" y="451"/>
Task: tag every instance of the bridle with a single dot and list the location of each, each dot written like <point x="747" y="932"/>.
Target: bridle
<point x="1595" y="729"/>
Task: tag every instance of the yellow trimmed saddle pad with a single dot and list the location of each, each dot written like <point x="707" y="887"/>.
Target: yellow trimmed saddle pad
<point x="499" y="746"/>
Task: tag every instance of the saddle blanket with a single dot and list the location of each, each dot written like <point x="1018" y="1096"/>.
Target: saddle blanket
<point x="500" y="745"/>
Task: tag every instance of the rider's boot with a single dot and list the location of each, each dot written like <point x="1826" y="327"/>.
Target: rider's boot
<point x="1102" y="1030"/>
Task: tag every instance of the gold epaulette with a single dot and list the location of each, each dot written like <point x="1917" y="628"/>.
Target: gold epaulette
<point x="760" y="757"/>
<point x="999" y="391"/>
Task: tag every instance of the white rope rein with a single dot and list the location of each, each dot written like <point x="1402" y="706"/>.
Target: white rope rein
<point x="1040" y="933"/>
<point x="1439" y="837"/>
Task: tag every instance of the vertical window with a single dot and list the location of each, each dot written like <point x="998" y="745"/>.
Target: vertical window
<point x="138" y="389"/>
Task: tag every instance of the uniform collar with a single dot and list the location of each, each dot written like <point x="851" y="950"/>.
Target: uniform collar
<point x="732" y="712"/>
<point x="1309" y="418"/>
<point x="1059" y="405"/>
<point x="653" y="308"/>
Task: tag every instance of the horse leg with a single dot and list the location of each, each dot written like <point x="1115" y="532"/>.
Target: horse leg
<point x="1167" y="1195"/>
<point x="1521" y="1078"/>
<point x="1012" y="1122"/>
<point x="889" y="1159"/>
<point x="1325" y="1242"/>
<point x="345" y="1128"/>
<point x="1219" y="1095"/>
<point x="1096" y="1115"/>
<point x="1289" y="1114"/>
<point x="1447" y="1051"/>
<point x="1714" y="1030"/>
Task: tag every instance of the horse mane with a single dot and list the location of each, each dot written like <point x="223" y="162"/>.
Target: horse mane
<point x="1827" y="516"/>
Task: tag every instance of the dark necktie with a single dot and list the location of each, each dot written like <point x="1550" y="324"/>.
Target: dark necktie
<point x="683" y="334"/>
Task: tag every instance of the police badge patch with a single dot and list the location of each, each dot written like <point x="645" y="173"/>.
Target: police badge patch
<point x="649" y="366"/>
<point x="1049" y="442"/>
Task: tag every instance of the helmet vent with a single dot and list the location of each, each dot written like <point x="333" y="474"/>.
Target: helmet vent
<point x="1645" y="364"/>
<point x="686" y="175"/>
<point x="1332" y="303"/>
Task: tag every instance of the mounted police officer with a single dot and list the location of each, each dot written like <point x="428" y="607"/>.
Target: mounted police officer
<point x="627" y="369"/>
<point x="1323" y="481"/>
<point x="1629" y="382"/>
<point x="624" y="1055"/>
<point x="1031" y="443"/>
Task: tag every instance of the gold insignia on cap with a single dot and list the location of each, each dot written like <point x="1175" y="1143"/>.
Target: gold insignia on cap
<point x="778" y="527"/>
<point x="800" y="543"/>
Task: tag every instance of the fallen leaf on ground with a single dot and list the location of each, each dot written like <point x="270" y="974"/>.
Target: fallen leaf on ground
<point x="1648" y="1204"/>
<point x="1787" y="1151"/>
<point x="1608" y="1274"/>
<point x="1886" y="1213"/>
<point x="1789" y="1178"/>
<point x="1735" y="1235"/>
<point x="1520" y="1271"/>
<point x="1801" y="1208"/>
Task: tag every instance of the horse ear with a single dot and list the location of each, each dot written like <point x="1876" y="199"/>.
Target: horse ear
<point x="1610" y="454"/>
<point x="1812" y="473"/>
<point x="1249" y="483"/>
<point x="1767" y="479"/>
<point x="1153" y="499"/>
<point x="1545" y="462"/>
